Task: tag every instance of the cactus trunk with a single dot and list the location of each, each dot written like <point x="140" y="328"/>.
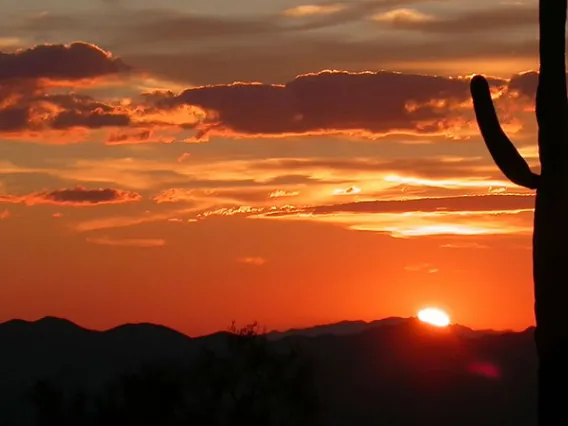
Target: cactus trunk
<point x="550" y="237"/>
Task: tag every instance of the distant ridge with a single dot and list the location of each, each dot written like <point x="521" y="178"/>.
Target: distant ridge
<point x="341" y="328"/>
<point x="368" y="373"/>
<point x="338" y="328"/>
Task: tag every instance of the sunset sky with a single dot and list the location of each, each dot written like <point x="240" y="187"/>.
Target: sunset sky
<point x="191" y="163"/>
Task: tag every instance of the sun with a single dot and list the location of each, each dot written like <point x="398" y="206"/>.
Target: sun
<point x="434" y="316"/>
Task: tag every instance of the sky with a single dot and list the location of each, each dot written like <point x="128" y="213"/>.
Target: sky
<point x="194" y="163"/>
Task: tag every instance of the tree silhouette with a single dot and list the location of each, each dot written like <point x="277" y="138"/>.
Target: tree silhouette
<point x="246" y="381"/>
<point x="550" y="237"/>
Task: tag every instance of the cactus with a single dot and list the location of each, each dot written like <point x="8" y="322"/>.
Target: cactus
<point x="550" y="235"/>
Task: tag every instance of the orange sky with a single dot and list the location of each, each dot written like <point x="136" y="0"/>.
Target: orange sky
<point x="192" y="167"/>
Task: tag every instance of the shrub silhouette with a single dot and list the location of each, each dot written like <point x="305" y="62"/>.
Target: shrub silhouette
<point x="550" y="253"/>
<point x="247" y="381"/>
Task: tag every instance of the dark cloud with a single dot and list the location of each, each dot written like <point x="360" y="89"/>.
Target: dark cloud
<point x="75" y="61"/>
<point x="14" y="118"/>
<point x="471" y="203"/>
<point x="92" y="120"/>
<point x="77" y="196"/>
<point x="129" y="137"/>
<point x="524" y="84"/>
<point x="331" y="102"/>
<point x="27" y="75"/>
<point x="36" y="112"/>
<point x="36" y="118"/>
<point x="373" y="104"/>
<point x="475" y="203"/>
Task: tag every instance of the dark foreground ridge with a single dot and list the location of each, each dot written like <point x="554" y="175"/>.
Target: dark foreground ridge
<point x="390" y="372"/>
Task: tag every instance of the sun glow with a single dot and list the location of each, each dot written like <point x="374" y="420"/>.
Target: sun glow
<point x="434" y="316"/>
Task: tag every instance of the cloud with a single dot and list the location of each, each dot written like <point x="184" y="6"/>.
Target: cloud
<point x="240" y="62"/>
<point x="183" y="157"/>
<point x="4" y="214"/>
<point x="465" y="215"/>
<point x="314" y="9"/>
<point x="93" y="120"/>
<point x="218" y="195"/>
<point x="279" y="193"/>
<point x="422" y="267"/>
<point x="431" y="167"/>
<point x="27" y="114"/>
<point x="111" y="222"/>
<point x="329" y="102"/>
<point x="471" y="21"/>
<point x="59" y="62"/>
<point x="441" y="204"/>
<point x="347" y="191"/>
<point x="403" y="17"/>
<point x="28" y="77"/>
<point x="524" y="84"/>
<point x="133" y="27"/>
<point x="360" y="104"/>
<point x="465" y="245"/>
<point x="78" y="196"/>
<point x="256" y="261"/>
<point x="175" y="45"/>
<point x="128" y="242"/>
<point x="126" y="137"/>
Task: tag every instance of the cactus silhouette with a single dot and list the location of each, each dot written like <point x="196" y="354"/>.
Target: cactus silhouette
<point x="550" y="236"/>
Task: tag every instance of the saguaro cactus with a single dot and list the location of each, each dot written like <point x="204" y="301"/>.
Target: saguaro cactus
<point x="550" y="236"/>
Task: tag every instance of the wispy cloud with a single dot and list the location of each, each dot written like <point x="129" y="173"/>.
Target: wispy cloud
<point x="314" y="9"/>
<point x="255" y="260"/>
<point x="78" y="196"/>
<point x="128" y="242"/>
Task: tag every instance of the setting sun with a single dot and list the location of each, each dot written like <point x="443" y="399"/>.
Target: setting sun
<point x="434" y="316"/>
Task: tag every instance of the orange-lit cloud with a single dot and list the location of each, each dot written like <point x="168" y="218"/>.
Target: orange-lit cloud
<point x="176" y="195"/>
<point x="59" y="62"/>
<point x="464" y="215"/>
<point x="407" y="18"/>
<point x="422" y="267"/>
<point x="470" y="21"/>
<point x="366" y="104"/>
<point x="29" y="76"/>
<point x="78" y="196"/>
<point x="128" y="242"/>
<point x="279" y="193"/>
<point x="360" y="104"/>
<point x="332" y="102"/>
<point x="183" y="157"/>
<point x="441" y="204"/>
<point x="256" y="261"/>
<point x="314" y="9"/>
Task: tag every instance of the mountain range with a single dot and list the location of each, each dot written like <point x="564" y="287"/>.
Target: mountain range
<point x="395" y="371"/>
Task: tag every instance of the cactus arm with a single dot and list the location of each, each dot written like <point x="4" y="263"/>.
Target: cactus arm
<point x="504" y="153"/>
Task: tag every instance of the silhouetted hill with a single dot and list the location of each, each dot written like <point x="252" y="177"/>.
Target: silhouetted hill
<point x="338" y="329"/>
<point x="395" y="371"/>
<point x="352" y="327"/>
